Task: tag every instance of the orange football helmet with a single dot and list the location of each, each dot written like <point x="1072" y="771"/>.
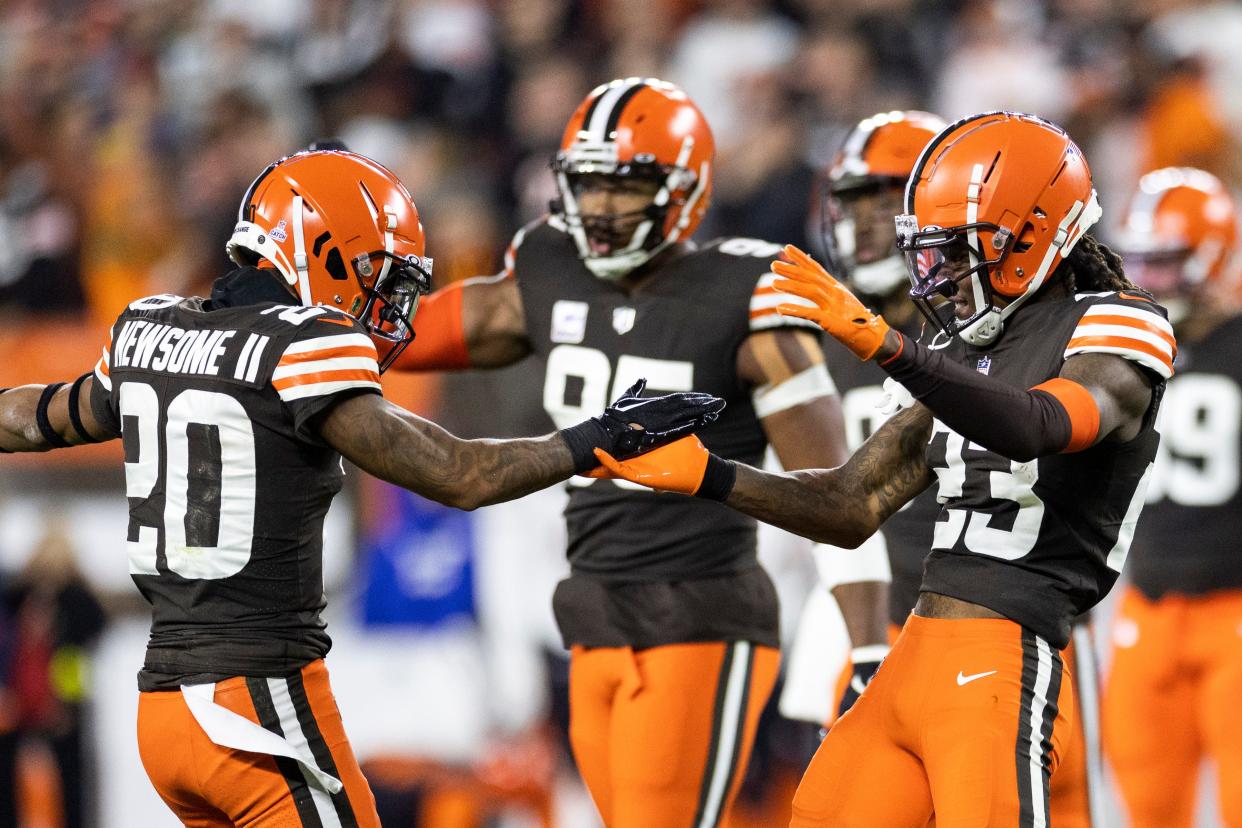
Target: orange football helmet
<point x="638" y="128"/>
<point x="1181" y="235"/>
<point x="1004" y="197"/>
<point x="343" y="231"/>
<point x="875" y="159"/>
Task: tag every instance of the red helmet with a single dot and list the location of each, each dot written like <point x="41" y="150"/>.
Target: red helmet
<point x="1180" y="234"/>
<point x="1007" y="193"/>
<point x="639" y="128"/>
<point x="343" y="232"/>
<point x="879" y="154"/>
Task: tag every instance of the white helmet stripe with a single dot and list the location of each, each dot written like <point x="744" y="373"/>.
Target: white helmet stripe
<point x="597" y="129"/>
<point x="390" y="224"/>
<point x="972" y="235"/>
<point x="300" y="262"/>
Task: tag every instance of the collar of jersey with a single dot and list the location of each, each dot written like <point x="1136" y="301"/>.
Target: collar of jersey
<point x="249" y="286"/>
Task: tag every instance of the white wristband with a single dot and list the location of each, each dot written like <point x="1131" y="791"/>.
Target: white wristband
<point x="868" y="653"/>
<point x="869" y="562"/>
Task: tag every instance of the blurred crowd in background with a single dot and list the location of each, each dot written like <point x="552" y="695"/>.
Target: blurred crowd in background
<point x="129" y="130"/>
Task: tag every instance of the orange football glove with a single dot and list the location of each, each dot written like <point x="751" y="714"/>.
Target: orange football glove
<point x="677" y="467"/>
<point x="837" y="310"/>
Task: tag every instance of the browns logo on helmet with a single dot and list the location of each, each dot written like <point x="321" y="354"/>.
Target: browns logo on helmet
<point x="634" y="130"/>
<point x="1180" y="236"/>
<point x="862" y="191"/>
<point x="343" y="231"/>
<point x="1000" y="198"/>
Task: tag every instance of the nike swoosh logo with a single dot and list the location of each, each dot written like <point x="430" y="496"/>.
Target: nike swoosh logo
<point x="964" y="679"/>
<point x="630" y="406"/>
<point x="336" y="320"/>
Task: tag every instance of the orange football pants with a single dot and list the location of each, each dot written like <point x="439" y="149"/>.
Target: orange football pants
<point x="1077" y="787"/>
<point x="966" y="719"/>
<point x="209" y="786"/>
<point x="662" y="736"/>
<point x="1171" y="700"/>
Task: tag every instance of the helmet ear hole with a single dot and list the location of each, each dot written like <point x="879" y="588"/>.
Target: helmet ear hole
<point x="1025" y="239"/>
<point x="335" y="265"/>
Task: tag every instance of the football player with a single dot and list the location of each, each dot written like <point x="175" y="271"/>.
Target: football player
<point x="864" y="190"/>
<point x="1038" y="397"/>
<point x="1177" y="639"/>
<point x="235" y="412"/>
<point x="670" y="620"/>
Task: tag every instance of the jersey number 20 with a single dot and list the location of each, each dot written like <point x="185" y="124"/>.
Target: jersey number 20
<point x="207" y="460"/>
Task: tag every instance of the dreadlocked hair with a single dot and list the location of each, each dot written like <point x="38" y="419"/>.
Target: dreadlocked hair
<point x="1092" y="267"/>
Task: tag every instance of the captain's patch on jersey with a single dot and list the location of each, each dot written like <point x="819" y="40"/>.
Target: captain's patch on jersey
<point x="569" y="321"/>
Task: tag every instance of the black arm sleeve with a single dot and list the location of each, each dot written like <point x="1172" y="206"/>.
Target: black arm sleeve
<point x="1013" y="422"/>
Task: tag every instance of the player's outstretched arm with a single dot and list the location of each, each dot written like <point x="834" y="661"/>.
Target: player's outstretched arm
<point x="842" y="506"/>
<point x="1096" y="397"/>
<point x="846" y="505"/>
<point x="39" y="418"/>
<point x="475" y="323"/>
<point x="403" y="448"/>
<point x="395" y="445"/>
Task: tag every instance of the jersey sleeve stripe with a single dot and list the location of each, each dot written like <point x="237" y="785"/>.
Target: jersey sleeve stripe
<point x="319" y="389"/>
<point x="1141" y="314"/>
<point x="1163" y="331"/>
<point x="766" y="281"/>
<point x="763" y="320"/>
<point x="101" y="372"/>
<point x="322" y="343"/>
<point x="320" y="365"/>
<point x="1125" y="332"/>
<point x="1144" y="354"/>
<point x="327" y="378"/>
<point x="759" y="304"/>
<point x="367" y="352"/>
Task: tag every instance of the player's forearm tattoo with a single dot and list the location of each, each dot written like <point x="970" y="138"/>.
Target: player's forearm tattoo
<point x="845" y="505"/>
<point x="405" y="449"/>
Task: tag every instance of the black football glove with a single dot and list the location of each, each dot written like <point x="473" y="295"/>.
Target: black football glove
<point x="864" y="671"/>
<point x="634" y="424"/>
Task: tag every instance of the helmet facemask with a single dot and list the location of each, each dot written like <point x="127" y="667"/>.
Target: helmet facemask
<point x="604" y="245"/>
<point x="855" y="224"/>
<point x="388" y="303"/>
<point x="948" y="270"/>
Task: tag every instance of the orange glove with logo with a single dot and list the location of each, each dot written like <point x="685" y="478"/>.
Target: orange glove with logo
<point x="836" y="310"/>
<point x="684" y="466"/>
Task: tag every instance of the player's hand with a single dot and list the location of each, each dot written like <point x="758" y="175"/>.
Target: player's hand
<point x="863" y="672"/>
<point x="836" y="310"/>
<point x="634" y="424"/>
<point x="677" y="467"/>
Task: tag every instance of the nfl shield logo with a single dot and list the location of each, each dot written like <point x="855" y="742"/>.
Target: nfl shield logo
<point x="623" y="319"/>
<point x="984" y="365"/>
